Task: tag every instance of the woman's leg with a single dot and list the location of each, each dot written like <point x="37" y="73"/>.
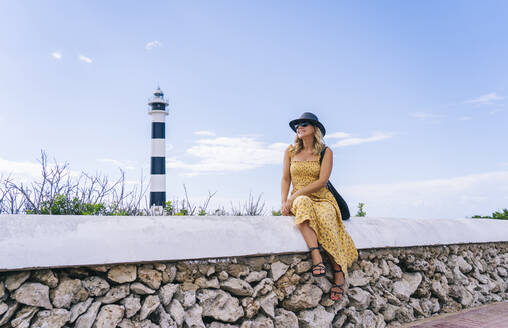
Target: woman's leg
<point x="311" y="239"/>
<point x="338" y="279"/>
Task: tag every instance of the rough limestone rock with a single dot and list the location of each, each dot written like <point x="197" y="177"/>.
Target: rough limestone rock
<point x="186" y="297"/>
<point x="217" y="324"/>
<point x="202" y="282"/>
<point x="219" y="305"/>
<point x="256" y="276"/>
<point x="268" y="302"/>
<point x="166" y="293"/>
<point x="440" y="289"/>
<point x="3" y="308"/>
<point x="141" y="289"/>
<point x="263" y="287"/>
<point x="132" y="304"/>
<point x="259" y="322"/>
<point x="169" y="274"/>
<point x="405" y="287"/>
<point x="55" y="318"/>
<point x="96" y="286"/>
<point x="115" y="294"/>
<point x="127" y="323"/>
<point x="369" y="319"/>
<point x="14" y="280"/>
<point x="250" y="306"/>
<point x="79" y="308"/>
<point x="12" y="307"/>
<point x="358" y="278"/>
<point x="317" y="317"/>
<point x="46" y="277"/>
<point x="66" y="293"/>
<point x="237" y="287"/>
<point x="87" y="319"/>
<point x="223" y="275"/>
<point x="359" y="298"/>
<point x="462" y="295"/>
<point x="152" y="278"/>
<point x="2" y="291"/>
<point x="164" y="319"/>
<point x="177" y="311"/>
<point x="323" y="283"/>
<point x="122" y="273"/>
<point x="150" y="304"/>
<point x="109" y="316"/>
<point x="23" y="317"/>
<point x="238" y="270"/>
<point x="193" y="317"/>
<point x="305" y="297"/>
<point x="278" y="269"/>
<point x="33" y="293"/>
<point x="285" y="319"/>
<point x="303" y="266"/>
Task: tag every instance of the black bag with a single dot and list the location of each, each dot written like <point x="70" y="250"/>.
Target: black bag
<point x="344" y="210"/>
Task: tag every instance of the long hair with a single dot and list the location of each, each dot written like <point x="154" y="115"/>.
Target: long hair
<point x="319" y="144"/>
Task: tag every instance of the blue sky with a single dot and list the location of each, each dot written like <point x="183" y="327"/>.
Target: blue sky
<point x="413" y="95"/>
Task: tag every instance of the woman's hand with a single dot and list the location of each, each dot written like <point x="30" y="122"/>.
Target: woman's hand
<point x="283" y="209"/>
<point x="286" y="206"/>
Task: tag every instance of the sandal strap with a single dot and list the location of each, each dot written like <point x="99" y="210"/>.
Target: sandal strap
<point x="341" y="291"/>
<point x="318" y="265"/>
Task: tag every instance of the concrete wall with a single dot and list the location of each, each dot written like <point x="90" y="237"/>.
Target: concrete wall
<point x="31" y="241"/>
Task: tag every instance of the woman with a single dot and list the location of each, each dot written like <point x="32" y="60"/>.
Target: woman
<point x="316" y="211"/>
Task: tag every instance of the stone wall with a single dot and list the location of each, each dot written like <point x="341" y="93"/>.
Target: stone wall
<point x="386" y="287"/>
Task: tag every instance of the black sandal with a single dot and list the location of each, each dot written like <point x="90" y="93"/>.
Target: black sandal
<point x="341" y="292"/>
<point x="319" y="265"/>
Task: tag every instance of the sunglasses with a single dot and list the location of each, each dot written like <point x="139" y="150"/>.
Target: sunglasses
<point x="303" y="124"/>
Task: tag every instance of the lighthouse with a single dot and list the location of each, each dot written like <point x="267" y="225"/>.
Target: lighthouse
<point x="158" y="112"/>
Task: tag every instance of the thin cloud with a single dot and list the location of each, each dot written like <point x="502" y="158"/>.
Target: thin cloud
<point x="227" y="154"/>
<point x="153" y="44"/>
<point x="205" y="133"/>
<point x="85" y="59"/>
<point x="377" y="136"/>
<point x="452" y="197"/>
<point x="494" y="111"/>
<point x="487" y="99"/>
<point x="465" y="118"/>
<point x="27" y="171"/>
<point x="337" y="135"/>
<point x="124" y="165"/>
<point x="56" y="55"/>
<point x="426" y="116"/>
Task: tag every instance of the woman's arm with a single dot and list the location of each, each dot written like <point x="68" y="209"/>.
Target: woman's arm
<point x="286" y="176"/>
<point x="285" y="181"/>
<point x="324" y="175"/>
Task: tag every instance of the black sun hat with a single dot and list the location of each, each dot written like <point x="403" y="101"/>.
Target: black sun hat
<point x="307" y="116"/>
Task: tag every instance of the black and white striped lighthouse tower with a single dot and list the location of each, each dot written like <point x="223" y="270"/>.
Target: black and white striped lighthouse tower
<point x="158" y="153"/>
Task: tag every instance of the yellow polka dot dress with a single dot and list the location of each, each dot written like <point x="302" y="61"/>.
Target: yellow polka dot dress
<point x="323" y="213"/>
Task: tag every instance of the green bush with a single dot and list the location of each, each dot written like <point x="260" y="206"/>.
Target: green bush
<point x="276" y="213"/>
<point x="496" y="215"/>
<point x="360" y="210"/>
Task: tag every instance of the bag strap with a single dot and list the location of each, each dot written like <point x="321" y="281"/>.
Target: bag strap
<point x="322" y="155"/>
